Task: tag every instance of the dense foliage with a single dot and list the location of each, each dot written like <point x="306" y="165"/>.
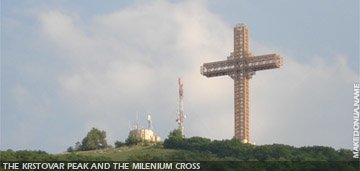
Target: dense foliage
<point x="133" y="140"/>
<point x="228" y="154"/>
<point x="268" y="157"/>
<point x="119" y="144"/>
<point x="174" y="140"/>
<point x="95" y="139"/>
<point x="248" y="152"/>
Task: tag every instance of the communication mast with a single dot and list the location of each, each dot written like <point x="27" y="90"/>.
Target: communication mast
<point x="181" y="116"/>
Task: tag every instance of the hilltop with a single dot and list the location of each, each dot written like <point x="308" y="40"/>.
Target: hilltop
<point x="273" y="158"/>
<point x="231" y="153"/>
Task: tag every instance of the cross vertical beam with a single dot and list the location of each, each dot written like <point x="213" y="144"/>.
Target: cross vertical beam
<point x="241" y="66"/>
<point x="241" y="85"/>
<point x="241" y="102"/>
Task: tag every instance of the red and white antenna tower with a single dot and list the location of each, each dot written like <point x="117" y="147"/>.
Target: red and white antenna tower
<point x="181" y="116"/>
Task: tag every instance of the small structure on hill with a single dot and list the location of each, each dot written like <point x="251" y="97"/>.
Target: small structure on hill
<point x="146" y="134"/>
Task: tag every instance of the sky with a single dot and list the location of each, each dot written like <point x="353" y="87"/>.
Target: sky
<point x="68" y="66"/>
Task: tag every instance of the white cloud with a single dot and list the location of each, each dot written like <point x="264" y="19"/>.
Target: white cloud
<point x="304" y="103"/>
<point x="128" y="61"/>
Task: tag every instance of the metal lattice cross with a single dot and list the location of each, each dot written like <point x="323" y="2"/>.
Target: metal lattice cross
<point x="241" y="65"/>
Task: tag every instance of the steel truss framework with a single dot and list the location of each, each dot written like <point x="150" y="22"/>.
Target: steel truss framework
<point x="241" y="65"/>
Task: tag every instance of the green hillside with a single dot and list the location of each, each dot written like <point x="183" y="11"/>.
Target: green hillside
<point x="146" y="153"/>
<point x="217" y="155"/>
<point x="229" y="154"/>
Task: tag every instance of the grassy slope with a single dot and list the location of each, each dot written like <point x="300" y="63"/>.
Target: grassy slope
<point x="138" y="153"/>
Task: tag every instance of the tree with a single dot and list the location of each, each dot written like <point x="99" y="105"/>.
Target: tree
<point x="119" y="144"/>
<point x="95" y="139"/>
<point x="70" y="149"/>
<point x="77" y="146"/>
<point x="174" y="140"/>
<point x="133" y="140"/>
<point x="176" y="135"/>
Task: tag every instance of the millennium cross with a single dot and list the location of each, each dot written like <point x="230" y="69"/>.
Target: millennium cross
<point x="241" y="65"/>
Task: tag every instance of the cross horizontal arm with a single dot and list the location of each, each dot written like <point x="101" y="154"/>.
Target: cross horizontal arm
<point x="231" y="66"/>
<point x="263" y="62"/>
<point x="219" y="68"/>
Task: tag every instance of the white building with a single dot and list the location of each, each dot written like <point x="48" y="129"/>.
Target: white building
<point x="146" y="134"/>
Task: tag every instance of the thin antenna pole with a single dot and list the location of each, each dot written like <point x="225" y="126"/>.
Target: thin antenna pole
<point x="137" y="120"/>
<point x="129" y="125"/>
<point x="149" y="122"/>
